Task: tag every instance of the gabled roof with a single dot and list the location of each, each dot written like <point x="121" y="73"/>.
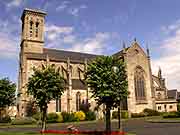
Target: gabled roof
<point x="135" y="45"/>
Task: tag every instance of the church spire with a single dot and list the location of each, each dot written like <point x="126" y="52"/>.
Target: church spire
<point x="160" y="73"/>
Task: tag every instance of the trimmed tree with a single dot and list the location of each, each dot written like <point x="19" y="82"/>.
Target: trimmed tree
<point x="7" y="94"/>
<point x="108" y="86"/>
<point x="44" y="85"/>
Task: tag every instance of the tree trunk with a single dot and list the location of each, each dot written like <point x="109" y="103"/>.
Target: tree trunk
<point x="119" y="118"/>
<point x="0" y="114"/>
<point x="108" y="119"/>
<point x="43" y="118"/>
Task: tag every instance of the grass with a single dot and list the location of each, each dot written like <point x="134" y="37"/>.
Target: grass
<point x="164" y="120"/>
<point x="9" y="125"/>
<point x="6" y="125"/>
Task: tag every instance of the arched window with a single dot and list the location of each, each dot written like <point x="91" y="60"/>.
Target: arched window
<point x="31" y="28"/>
<point x="37" y="27"/>
<point x="58" y="105"/>
<point x="139" y="83"/>
<point x="78" y="101"/>
<point x="159" y="95"/>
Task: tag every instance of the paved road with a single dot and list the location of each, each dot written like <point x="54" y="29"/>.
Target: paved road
<point x="140" y="127"/>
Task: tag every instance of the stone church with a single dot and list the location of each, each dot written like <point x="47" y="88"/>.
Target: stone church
<point x="146" y="90"/>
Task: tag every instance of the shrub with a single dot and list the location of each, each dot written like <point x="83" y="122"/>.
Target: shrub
<point x="115" y="115"/>
<point x="171" y="115"/>
<point x="90" y="115"/>
<point x="124" y="114"/>
<point x="5" y="119"/>
<point x="150" y="112"/>
<point x="80" y="115"/>
<point x="37" y="116"/>
<point x="52" y="118"/>
<point x="59" y="117"/>
<point x="68" y="117"/>
<point x="23" y="121"/>
<point x="138" y="115"/>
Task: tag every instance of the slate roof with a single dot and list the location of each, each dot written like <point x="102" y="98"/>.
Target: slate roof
<point x="78" y="84"/>
<point x="178" y="95"/>
<point x="172" y="94"/>
<point x="61" y="55"/>
<point x="121" y="52"/>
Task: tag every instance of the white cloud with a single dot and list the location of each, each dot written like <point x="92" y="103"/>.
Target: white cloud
<point x="8" y="47"/>
<point x="66" y="38"/>
<point x="69" y="39"/>
<point x="93" y="45"/>
<point x="83" y="7"/>
<point x="14" y="3"/>
<point x="76" y="10"/>
<point x="72" y="10"/>
<point x="8" y="40"/>
<point x="171" y="28"/>
<point x="54" y="31"/>
<point x="169" y="61"/>
<point x="62" y="6"/>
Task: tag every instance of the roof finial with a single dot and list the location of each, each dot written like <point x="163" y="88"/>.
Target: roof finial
<point x="135" y="39"/>
<point x="147" y="49"/>
<point x="124" y="45"/>
<point x="160" y="72"/>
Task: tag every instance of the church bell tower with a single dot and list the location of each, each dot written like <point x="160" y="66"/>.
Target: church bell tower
<point x="32" y="38"/>
<point x="32" y="41"/>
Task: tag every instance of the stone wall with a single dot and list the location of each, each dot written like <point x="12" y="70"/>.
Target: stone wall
<point x="134" y="57"/>
<point x="75" y="75"/>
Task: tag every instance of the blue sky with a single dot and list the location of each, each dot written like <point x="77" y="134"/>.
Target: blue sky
<point x="100" y="27"/>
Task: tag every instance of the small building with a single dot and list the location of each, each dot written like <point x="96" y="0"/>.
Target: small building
<point x="165" y="99"/>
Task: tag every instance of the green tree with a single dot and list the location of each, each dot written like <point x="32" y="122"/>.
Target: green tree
<point x="31" y="108"/>
<point x="44" y="85"/>
<point x="7" y="94"/>
<point x="108" y="87"/>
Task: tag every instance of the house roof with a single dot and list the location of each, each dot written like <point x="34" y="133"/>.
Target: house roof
<point x="172" y="94"/>
<point x="61" y="55"/>
<point x="178" y="95"/>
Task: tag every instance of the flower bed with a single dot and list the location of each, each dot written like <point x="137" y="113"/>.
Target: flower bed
<point x="84" y="132"/>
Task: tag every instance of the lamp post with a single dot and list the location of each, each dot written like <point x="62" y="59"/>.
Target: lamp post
<point x="115" y="70"/>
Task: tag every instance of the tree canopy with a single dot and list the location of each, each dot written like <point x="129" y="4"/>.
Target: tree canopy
<point x="108" y="86"/>
<point x="7" y="93"/>
<point x="44" y="85"/>
<point x="106" y="75"/>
